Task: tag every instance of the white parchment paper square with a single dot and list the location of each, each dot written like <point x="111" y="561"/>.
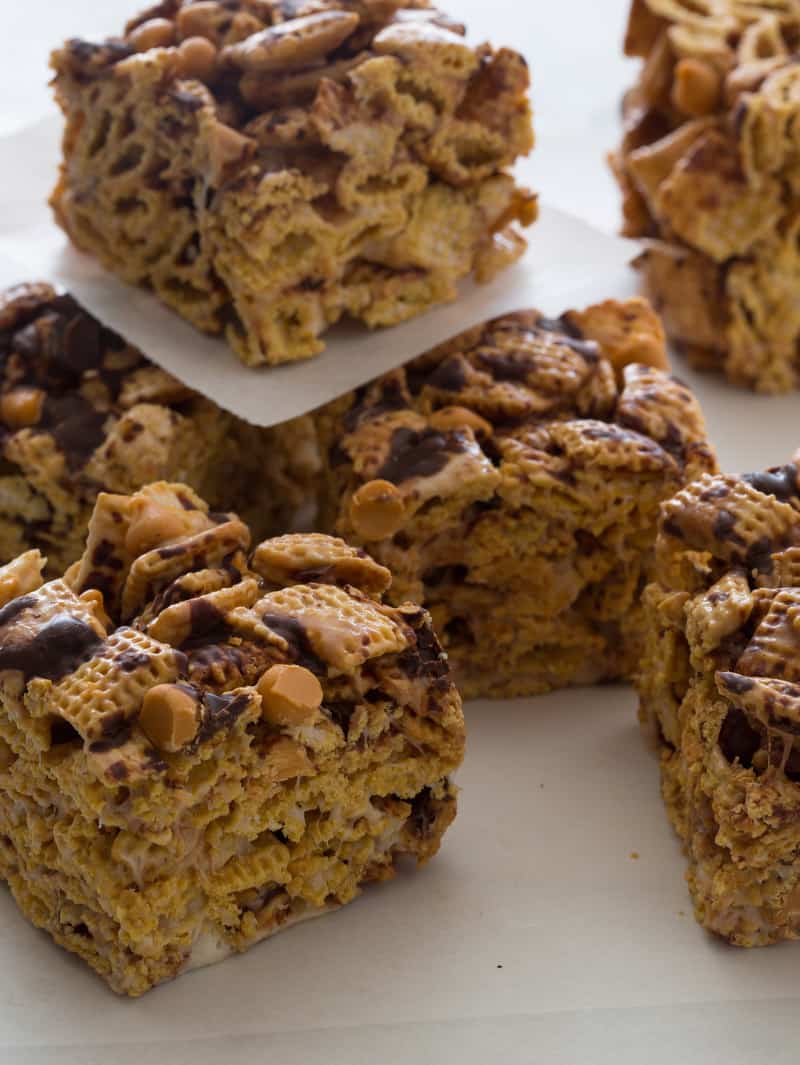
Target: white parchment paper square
<point x="31" y="245"/>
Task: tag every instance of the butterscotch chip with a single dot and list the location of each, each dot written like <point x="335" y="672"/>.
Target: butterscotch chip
<point x="461" y="417"/>
<point x="197" y="58"/>
<point x="22" y="407"/>
<point x="155" y="33"/>
<point x="377" y="510"/>
<point x="290" y="695"/>
<point x="697" y="86"/>
<point x="169" y="717"/>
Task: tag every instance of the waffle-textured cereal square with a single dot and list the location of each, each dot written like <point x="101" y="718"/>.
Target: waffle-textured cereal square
<point x="82" y="411"/>
<point x="720" y="696"/>
<point x="709" y="171"/>
<point x="202" y="744"/>
<point x="511" y="480"/>
<point x="268" y="166"/>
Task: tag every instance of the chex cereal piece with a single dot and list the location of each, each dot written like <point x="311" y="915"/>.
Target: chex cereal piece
<point x="708" y="168"/>
<point x="266" y="168"/>
<point x="510" y="480"/>
<point x="81" y="411"/>
<point x="193" y="761"/>
<point x="720" y="692"/>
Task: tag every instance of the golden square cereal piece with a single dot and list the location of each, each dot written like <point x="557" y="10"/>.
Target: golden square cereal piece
<point x="162" y="806"/>
<point x="708" y="168"/>
<point x="511" y="480"/>
<point x="267" y="171"/>
<point x="109" y="422"/>
<point x="286" y="559"/>
<point x="718" y="690"/>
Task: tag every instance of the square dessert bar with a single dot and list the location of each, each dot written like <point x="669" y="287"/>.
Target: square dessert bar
<point x="511" y="481"/>
<point x="267" y="166"/>
<point x="710" y="175"/>
<point x="720" y="693"/>
<point x="202" y="744"/>
<point x="81" y="411"/>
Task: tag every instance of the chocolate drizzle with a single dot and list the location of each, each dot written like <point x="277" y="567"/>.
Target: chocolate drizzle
<point x="300" y="650"/>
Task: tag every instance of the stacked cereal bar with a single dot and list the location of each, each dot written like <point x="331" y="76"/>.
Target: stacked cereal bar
<point x="267" y="166"/>
<point x="720" y="692"/>
<point x="710" y="175"/>
<point x="82" y="411"/>
<point x="202" y="744"/>
<point x="511" y="480"/>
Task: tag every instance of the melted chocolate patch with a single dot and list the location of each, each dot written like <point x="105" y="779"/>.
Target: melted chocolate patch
<point x="418" y="454"/>
<point x="506" y="367"/>
<point x="300" y="650"/>
<point x="724" y="527"/>
<point x="115" y="731"/>
<point x="737" y="683"/>
<point x="76" y="427"/>
<point x="16" y="606"/>
<point x="759" y="556"/>
<point x="780" y="482"/>
<point x="130" y="661"/>
<point x="204" y="617"/>
<point x="58" y="648"/>
<point x="565" y="332"/>
<point x="218" y="712"/>
<point x="426" y="659"/>
<point x="449" y="375"/>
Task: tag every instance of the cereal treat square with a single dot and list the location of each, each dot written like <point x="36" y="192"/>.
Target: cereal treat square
<point x="201" y="744"/>
<point x="511" y="480"/>
<point x="711" y="179"/>
<point x="81" y="411"/>
<point x="720" y="695"/>
<point x="268" y="166"/>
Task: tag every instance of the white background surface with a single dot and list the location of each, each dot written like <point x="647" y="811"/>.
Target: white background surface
<point x="601" y="960"/>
